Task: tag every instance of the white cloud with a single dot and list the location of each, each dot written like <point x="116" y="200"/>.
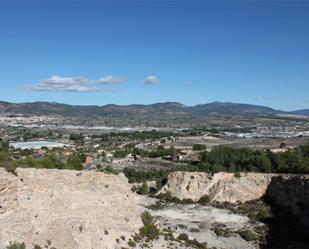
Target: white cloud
<point x="74" y="84"/>
<point x="151" y="79"/>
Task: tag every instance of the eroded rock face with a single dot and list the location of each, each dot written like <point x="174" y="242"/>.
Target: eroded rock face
<point x="219" y="187"/>
<point x="69" y="208"/>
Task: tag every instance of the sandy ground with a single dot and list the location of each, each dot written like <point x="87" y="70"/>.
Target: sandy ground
<point x="183" y="218"/>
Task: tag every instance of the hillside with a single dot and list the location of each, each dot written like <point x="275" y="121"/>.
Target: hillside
<point x="168" y="114"/>
<point x="301" y="112"/>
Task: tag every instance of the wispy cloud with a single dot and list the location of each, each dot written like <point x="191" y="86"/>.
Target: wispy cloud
<point x="188" y="84"/>
<point x="74" y="84"/>
<point x="261" y="98"/>
<point x="151" y="79"/>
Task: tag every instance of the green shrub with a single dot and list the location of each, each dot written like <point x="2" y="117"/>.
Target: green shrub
<point x="149" y="230"/>
<point x="110" y="170"/>
<point x="16" y="245"/>
<point x="191" y="243"/>
<point x="75" y="162"/>
<point x="237" y="174"/>
<point x="204" y="200"/>
<point x="167" y="197"/>
<point x="195" y="244"/>
<point x="264" y="214"/>
<point x="131" y="243"/>
<point x="198" y="147"/>
<point x="248" y="235"/>
<point x="221" y="231"/>
<point x="143" y="189"/>
<point x="4" y="156"/>
<point x="183" y="237"/>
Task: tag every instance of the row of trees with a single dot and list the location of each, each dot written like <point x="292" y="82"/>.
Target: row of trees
<point x="160" y="151"/>
<point x="224" y="158"/>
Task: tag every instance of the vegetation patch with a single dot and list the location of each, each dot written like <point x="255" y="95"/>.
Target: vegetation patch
<point x="168" y="198"/>
<point x="191" y="243"/>
<point x="221" y="230"/>
<point x="149" y="230"/>
<point x="204" y="200"/>
<point x="248" y="235"/>
<point x="110" y="170"/>
<point x="16" y="245"/>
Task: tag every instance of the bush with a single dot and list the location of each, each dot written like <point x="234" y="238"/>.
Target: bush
<point x="198" y="147"/>
<point x="110" y="170"/>
<point x="248" y="235"/>
<point x="131" y="243"/>
<point x="4" y="156"/>
<point x="16" y="245"/>
<point x="191" y="243"/>
<point x="75" y="162"/>
<point x="183" y="237"/>
<point x="149" y="230"/>
<point x="167" y="197"/>
<point x="204" y="200"/>
<point x="143" y="189"/>
<point x="237" y="174"/>
<point x="221" y="230"/>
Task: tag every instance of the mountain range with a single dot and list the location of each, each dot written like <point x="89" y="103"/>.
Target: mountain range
<point x="221" y="108"/>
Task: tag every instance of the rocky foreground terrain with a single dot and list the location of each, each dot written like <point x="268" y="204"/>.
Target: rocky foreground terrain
<point x="67" y="209"/>
<point x="286" y="195"/>
<point x="71" y="209"/>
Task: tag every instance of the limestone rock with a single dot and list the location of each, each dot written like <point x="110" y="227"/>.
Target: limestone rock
<point x="219" y="187"/>
<point x="69" y="208"/>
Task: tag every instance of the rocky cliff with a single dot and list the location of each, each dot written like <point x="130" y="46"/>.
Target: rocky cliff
<point x="219" y="187"/>
<point x="70" y="209"/>
<point x="291" y="192"/>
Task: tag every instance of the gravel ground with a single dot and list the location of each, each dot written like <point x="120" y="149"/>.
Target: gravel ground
<point x="196" y="221"/>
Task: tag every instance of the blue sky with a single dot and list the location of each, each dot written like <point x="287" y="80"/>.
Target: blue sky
<point x="145" y="52"/>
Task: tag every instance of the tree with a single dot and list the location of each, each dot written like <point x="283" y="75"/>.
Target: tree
<point x="4" y="145"/>
<point x="4" y="156"/>
<point x="74" y="162"/>
<point x="77" y="138"/>
<point x="52" y="162"/>
<point x="198" y="147"/>
<point x="173" y="153"/>
<point x="264" y="163"/>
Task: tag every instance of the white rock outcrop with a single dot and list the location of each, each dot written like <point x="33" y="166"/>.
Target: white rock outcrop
<point x="219" y="187"/>
<point x="69" y="208"/>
